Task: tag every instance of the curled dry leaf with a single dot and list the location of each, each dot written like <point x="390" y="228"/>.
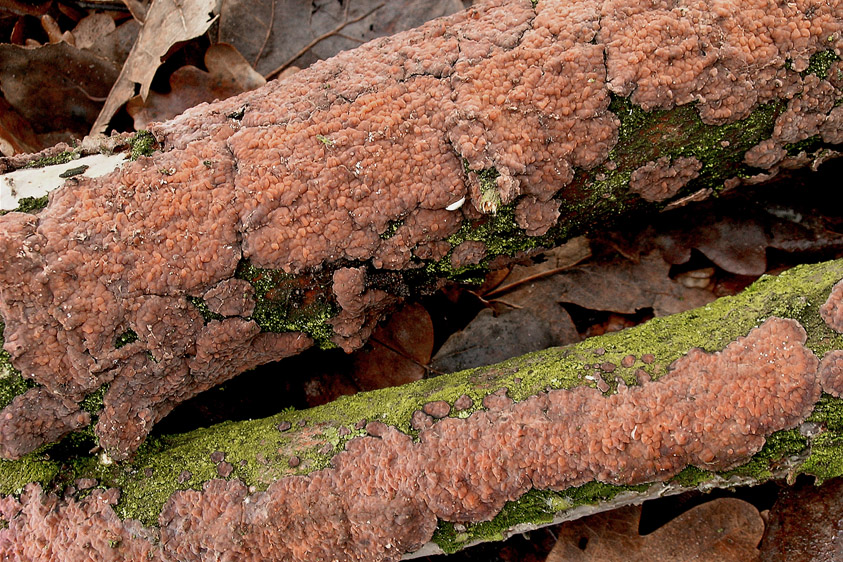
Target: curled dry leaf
<point x="167" y="22"/>
<point x="489" y="339"/>
<point x="722" y="530"/>
<point x="228" y="74"/>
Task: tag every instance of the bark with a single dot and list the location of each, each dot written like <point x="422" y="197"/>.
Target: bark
<point x="261" y="458"/>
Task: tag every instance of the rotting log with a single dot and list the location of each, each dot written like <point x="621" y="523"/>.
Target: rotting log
<point x="730" y="394"/>
<point x="298" y="213"/>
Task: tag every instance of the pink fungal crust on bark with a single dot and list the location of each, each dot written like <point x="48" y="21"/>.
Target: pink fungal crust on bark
<point x="663" y="178"/>
<point x="385" y="492"/>
<point x="297" y="177"/>
<point x="831" y="373"/>
<point x="765" y="154"/>
<point x="231" y="297"/>
<point x="728" y="56"/>
<point x="832" y="310"/>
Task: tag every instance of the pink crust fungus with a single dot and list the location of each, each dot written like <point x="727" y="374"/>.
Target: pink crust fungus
<point x="831" y="373"/>
<point x="500" y="104"/>
<point x="231" y="297"/>
<point x="765" y="154"/>
<point x="385" y="492"/>
<point x="728" y="56"/>
<point x="663" y="178"/>
<point x="831" y="311"/>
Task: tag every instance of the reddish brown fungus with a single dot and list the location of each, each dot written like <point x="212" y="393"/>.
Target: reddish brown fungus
<point x="383" y="495"/>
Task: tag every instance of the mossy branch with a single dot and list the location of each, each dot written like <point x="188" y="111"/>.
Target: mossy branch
<point x="263" y="452"/>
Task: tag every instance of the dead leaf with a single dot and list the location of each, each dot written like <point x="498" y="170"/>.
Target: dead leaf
<point x="489" y="339"/>
<point x="398" y="351"/>
<point x="16" y="135"/>
<point x="91" y="29"/>
<point x="552" y="261"/>
<point x="806" y="524"/>
<point x="24" y="8"/>
<point x="621" y="285"/>
<point x="228" y="74"/>
<point x="55" y="87"/>
<point x="270" y="34"/>
<point x="167" y="22"/>
<point x="736" y="244"/>
<point x="137" y="9"/>
<point x="722" y="530"/>
<point x="116" y="45"/>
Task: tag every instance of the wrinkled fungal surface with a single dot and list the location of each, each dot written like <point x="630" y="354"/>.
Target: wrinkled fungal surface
<point x="832" y="309"/>
<point x="371" y="162"/>
<point x="662" y="179"/>
<point x="384" y="493"/>
<point x="831" y="373"/>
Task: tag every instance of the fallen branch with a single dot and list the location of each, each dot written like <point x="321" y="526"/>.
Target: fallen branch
<point x="300" y="212"/>
<point x="472" y="456"/>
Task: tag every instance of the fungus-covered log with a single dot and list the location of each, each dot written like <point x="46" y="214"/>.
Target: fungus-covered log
<point x="741" y="391"/>
<point x="298" y="213"/>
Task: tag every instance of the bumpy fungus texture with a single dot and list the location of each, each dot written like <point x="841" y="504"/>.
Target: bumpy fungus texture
<point x="662" y="179"/>
<point x="363" y="162"/>
<point x="383" y="494"/>
<point x="832" y="309"/>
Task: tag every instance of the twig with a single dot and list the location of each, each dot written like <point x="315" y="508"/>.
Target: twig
<point x="265" y="37"/>
<point x="321" y="38"/>
<point x="508" y="287"/>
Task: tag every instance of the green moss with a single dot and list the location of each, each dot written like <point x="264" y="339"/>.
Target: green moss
<point x="691" y="477"/>
<point x="60" y="158"/>
<point x="778" y="446"/>
<point x="391" y="229"/>
<point x="31" y="204"/>
<point x="291" y="303"/>
<point x="70" y="172"/>
<point x="92" y="403"/>
<point x="534" y="507"/>
<point x="679" y="132"/>
<point x="14" y="475"/>
<point x="820" y="63"/>
<point x="125" y="338"/>
<point x="806" y="145"/>
<point x="826" y="458"/>
<point x="12" y="383"/>
<point x="142" y="144"/>
<point x="325" y="140"/>
<point x="206" y="313"/>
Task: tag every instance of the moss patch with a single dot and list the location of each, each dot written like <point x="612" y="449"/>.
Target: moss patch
<point x="125" y="338"/>
<point x="291" y="303"/>
<point x="820" y="63"/>
<point x="142" y="144"/>
<point x="646" y="136"/>
<point x="202" y="306"/>
<point x="12" y="383"/>
<point x="30" y="204"/>
<point x="60" y="158"/>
